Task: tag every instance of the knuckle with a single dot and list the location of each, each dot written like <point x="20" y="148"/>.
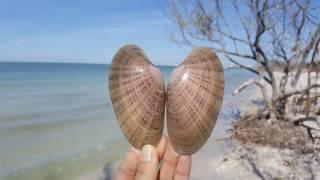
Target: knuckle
<point x="127" y="172"/>
<point x="170" y="162"/>
<point x="141" y="171"/>
<point x="182" y="174"/>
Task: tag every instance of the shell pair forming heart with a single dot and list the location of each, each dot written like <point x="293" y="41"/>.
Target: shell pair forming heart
<point x="193" y="99"/>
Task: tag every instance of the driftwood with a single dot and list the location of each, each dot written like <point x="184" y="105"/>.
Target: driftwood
<point x="303" y="119"/>
<point x="245" y="85"/>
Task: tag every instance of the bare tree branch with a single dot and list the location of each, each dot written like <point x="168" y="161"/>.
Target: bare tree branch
<point x="285" y="96"/>
<point x="278" y="36"/>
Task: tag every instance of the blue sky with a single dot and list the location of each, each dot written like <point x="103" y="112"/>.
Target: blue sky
<point x="84" y="31"/>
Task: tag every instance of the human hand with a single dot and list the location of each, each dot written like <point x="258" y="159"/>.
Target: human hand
<point x="153" y="163"/>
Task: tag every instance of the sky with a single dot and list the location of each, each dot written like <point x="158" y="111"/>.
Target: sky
<point x="85" y="31"/>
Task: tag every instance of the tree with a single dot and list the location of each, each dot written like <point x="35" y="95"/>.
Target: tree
<point x="277" y="35"/>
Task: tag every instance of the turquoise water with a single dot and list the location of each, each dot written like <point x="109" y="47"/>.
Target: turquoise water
<point x="57" y="122"/>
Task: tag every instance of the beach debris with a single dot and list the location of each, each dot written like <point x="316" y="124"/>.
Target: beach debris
<point x="195" y="94"/>
<point x="254" y="162"/>
<point x="312" y="125"/>
<point x="137" y="93"/>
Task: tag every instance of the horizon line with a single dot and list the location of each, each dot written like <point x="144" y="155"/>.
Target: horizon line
<point x="88" y="63"/>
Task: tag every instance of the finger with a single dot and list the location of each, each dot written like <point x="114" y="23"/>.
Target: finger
<point x="148" y="164"/>
<point x="161" y="148"/>
<point x="128" y="167"/>
<point x="169" y="163"/>
<point x="183" y="168"/>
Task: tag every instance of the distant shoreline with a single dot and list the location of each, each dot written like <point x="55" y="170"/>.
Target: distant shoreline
<point x="84" y="63"/>
<point x="30" y="62"/>
<point x="73" y="63"/>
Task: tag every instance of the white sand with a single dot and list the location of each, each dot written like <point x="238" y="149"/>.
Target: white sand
<point x="256" y="162"/>
<point x="252" y="162"/>
<point x="230" y="160"/>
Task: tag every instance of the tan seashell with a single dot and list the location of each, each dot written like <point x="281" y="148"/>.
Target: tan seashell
<point x="195" y="94"/>
<point x="137" y="93"/>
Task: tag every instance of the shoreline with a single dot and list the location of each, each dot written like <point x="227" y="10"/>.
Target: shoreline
<point x="205" y="161"/>
<point x="229" y="159"/>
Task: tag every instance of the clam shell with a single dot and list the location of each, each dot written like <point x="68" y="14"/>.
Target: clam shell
<point x="195" y="94"/>
<point x="137" y="93"/>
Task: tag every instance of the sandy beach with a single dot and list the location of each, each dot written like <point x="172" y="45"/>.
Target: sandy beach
<point x="83" y="81"/>
<point x="206" y="161"/>
<point x="252" y="162"/>
<point x="228" y="159"/>
<point x="80" y="139"/>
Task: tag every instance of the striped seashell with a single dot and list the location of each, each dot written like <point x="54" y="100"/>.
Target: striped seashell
<point x="195" y="94"/>
<point x="137" y="93"/>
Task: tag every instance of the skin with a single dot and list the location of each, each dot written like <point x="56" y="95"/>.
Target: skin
<point x="153" y="163"/>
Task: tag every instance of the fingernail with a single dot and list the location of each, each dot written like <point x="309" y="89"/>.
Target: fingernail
<point x="147" y="152"/>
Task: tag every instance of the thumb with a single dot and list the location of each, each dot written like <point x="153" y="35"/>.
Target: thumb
<point x="148" y="164"/>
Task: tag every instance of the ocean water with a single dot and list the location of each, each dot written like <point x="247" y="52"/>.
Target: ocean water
<point x="57" y="121"/>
